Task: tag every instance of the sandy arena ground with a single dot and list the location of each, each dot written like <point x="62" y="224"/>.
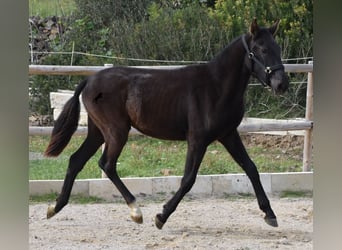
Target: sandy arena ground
<point x="206" y="223"/>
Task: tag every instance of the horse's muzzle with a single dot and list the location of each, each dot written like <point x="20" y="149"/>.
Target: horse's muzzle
<point x="279" y="82"/>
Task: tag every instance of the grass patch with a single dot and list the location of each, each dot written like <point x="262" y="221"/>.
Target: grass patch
<point x="75" y="199"/>
<point x="295" y="194"/>
<point x="148" y="157"/>
<point x="55" y="168"/>
<point x="239" y="196"/>
<point x="46" y="198"/>
<point x="46" y="8"/>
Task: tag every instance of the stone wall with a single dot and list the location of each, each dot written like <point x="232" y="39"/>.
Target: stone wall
<point x="42" y="33"/>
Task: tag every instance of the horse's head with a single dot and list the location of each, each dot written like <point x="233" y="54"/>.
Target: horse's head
<point x="264" y="57"/>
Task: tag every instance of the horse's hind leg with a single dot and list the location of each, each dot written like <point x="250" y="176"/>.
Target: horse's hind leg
<point x="237" y="150"/>
<point x="77" y="161"/>
<point x="108" y="160"/>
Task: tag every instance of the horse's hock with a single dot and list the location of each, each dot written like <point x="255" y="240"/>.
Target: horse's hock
<point x="59" y="98"/>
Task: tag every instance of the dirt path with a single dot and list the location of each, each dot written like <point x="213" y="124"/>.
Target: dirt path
<point x="197" y="224"/>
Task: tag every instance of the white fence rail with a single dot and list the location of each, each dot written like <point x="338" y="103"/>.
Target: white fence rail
<point x="305" y="124"/>
<point x="245" y="126"/>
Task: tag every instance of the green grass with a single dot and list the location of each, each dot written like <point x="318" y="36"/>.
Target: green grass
<point x="147" y="157"/>
<point x="46" y="8"/>
<point x="81" y="199"/>
<point x="76" y="199"/>
<point x="295" y="194"/>
<point x="55" y="168"/>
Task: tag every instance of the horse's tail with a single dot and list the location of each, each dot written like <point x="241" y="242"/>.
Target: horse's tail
<point x="66" y="123"/>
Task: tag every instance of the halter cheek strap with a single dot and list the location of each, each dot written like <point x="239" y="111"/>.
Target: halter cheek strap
<point x="267" y="69"/>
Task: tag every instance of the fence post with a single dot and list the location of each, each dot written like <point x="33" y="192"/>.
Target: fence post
<point x="307" y="152"/>
<point x="103" y="174"/>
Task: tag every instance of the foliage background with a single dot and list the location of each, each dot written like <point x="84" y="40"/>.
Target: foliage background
<point x="182" y="30"/>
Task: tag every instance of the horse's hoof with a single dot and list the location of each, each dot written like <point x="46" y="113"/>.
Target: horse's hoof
<point x="50" y="212"/>
<point x="137" y="219"/>
<point x="158" y="222"/>
<point x="136" y="213"/>
<point x="271" y="221"/>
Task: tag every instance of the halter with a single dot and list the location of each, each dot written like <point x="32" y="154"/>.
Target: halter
<point x="267" y="69"/>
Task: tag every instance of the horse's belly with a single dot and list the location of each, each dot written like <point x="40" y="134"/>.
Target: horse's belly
<point x="165" y="132"/>
<point x="156" y="117"/>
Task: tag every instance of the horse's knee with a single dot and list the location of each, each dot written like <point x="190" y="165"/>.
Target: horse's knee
<point x="105" y="165"/>
<point x="251" y="171"/>
<point x="102" y="161"/>
<point x="110" y="170"/>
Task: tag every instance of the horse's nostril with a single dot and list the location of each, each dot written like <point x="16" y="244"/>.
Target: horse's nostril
<point x="280" y="83"/>
<point x="282" y="87"/>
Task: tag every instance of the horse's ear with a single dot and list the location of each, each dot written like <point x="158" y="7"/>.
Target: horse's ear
<point x="254" y="29"/>
<point x="274" y="28"/>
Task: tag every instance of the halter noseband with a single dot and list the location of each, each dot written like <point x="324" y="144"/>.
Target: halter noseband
<point x="267" y="69"/>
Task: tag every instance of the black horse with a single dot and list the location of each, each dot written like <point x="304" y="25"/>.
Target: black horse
<point x="197" y="103"/>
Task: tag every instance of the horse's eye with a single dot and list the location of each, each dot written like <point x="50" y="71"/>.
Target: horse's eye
<point x="264" y="50"/>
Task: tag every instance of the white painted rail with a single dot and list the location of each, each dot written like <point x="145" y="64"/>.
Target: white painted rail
<point x="245" y="126"/>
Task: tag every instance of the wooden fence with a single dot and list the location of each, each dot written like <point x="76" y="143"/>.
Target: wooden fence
<point x="305" y="124"/>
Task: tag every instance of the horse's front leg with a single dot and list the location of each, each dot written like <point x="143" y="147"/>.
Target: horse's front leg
<point x="237" y="150"/>
<point x="194" y="157"/>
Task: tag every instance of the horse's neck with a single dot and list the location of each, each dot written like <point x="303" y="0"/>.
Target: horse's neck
<point x="230" y="69"/>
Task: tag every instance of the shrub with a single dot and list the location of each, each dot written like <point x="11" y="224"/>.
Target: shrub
<point x="179" y="30"/>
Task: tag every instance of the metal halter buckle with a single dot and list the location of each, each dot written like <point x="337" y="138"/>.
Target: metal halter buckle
<point x="268" y="70"/>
